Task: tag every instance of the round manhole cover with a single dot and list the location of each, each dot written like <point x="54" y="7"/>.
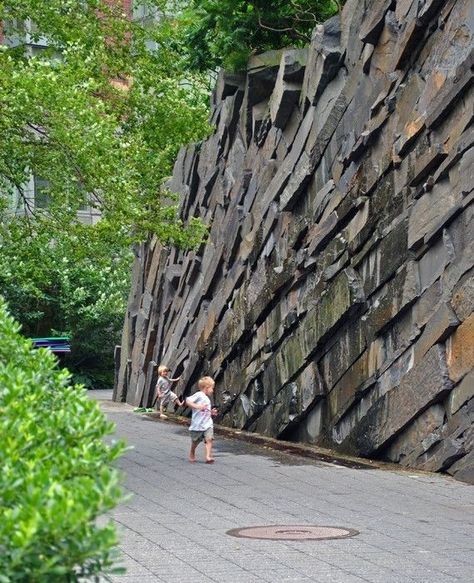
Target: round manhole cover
<point x="290" y="532"/>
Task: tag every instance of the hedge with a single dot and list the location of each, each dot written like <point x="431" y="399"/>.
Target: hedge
<point x="57" y="473"/>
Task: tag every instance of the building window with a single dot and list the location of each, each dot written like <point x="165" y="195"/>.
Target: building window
<point x="41" y="188"/>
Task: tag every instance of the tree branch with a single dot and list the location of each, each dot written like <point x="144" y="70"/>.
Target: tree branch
<point x="29" y="209"/>
<point x="65" y="150"/>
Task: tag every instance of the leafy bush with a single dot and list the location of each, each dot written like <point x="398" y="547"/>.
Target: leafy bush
<point x="78" y="288"/>
<point x="225" y="32"/>
<point x="56" y="477"/>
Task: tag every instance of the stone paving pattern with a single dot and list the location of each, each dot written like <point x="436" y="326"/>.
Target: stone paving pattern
<point x="333" y="302"/>
<point x="414" y="527"/>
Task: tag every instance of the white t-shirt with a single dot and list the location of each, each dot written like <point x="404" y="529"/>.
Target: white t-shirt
<point x="201" y="420"/>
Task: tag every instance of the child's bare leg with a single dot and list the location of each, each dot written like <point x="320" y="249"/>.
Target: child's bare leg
<point x="192" y="451"/>
<point x="161" y="411"/>
<point x="209" y="458"/>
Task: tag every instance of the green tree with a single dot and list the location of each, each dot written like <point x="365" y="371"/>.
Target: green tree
<point x="226" y="32"/>
<point x="97" y="112"/>
<point x="99" y="116"/>
<point x="57" y="475"/>
<point x="78" y="288"/>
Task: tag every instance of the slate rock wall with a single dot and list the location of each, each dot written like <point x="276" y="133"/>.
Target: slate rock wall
<point x="334" y="299"/>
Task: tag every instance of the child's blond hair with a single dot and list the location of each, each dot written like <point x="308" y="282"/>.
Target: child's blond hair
<point x="162" y="368"/>
<point x="206" y="382"/>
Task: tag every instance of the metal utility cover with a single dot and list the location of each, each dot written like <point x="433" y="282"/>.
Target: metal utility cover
<point x="291" y="532"/>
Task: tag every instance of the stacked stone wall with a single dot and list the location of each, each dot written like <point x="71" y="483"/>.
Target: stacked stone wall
<point x="333" y="301"/>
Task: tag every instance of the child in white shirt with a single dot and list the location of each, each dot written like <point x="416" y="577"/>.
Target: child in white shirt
<point x="202" y="425"/>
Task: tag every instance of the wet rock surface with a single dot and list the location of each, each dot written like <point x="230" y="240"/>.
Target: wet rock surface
<point x="333" y="301"/>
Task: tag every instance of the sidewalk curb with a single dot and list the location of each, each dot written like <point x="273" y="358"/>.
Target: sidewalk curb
<point x="305" y="450"/>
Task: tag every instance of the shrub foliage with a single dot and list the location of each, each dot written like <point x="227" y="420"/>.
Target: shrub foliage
<point x="57" y="477"/>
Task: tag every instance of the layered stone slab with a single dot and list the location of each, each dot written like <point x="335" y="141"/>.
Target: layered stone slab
<point x="425" y="384"/>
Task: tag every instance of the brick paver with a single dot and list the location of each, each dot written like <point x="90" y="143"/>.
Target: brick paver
<point x="413" y="527"/>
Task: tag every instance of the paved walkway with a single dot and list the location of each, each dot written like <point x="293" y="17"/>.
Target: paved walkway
<point x="413" y="527"/>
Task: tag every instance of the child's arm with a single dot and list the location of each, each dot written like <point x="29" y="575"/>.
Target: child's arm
<point x="174" y="380"/>
<point x="197" y="406"/>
